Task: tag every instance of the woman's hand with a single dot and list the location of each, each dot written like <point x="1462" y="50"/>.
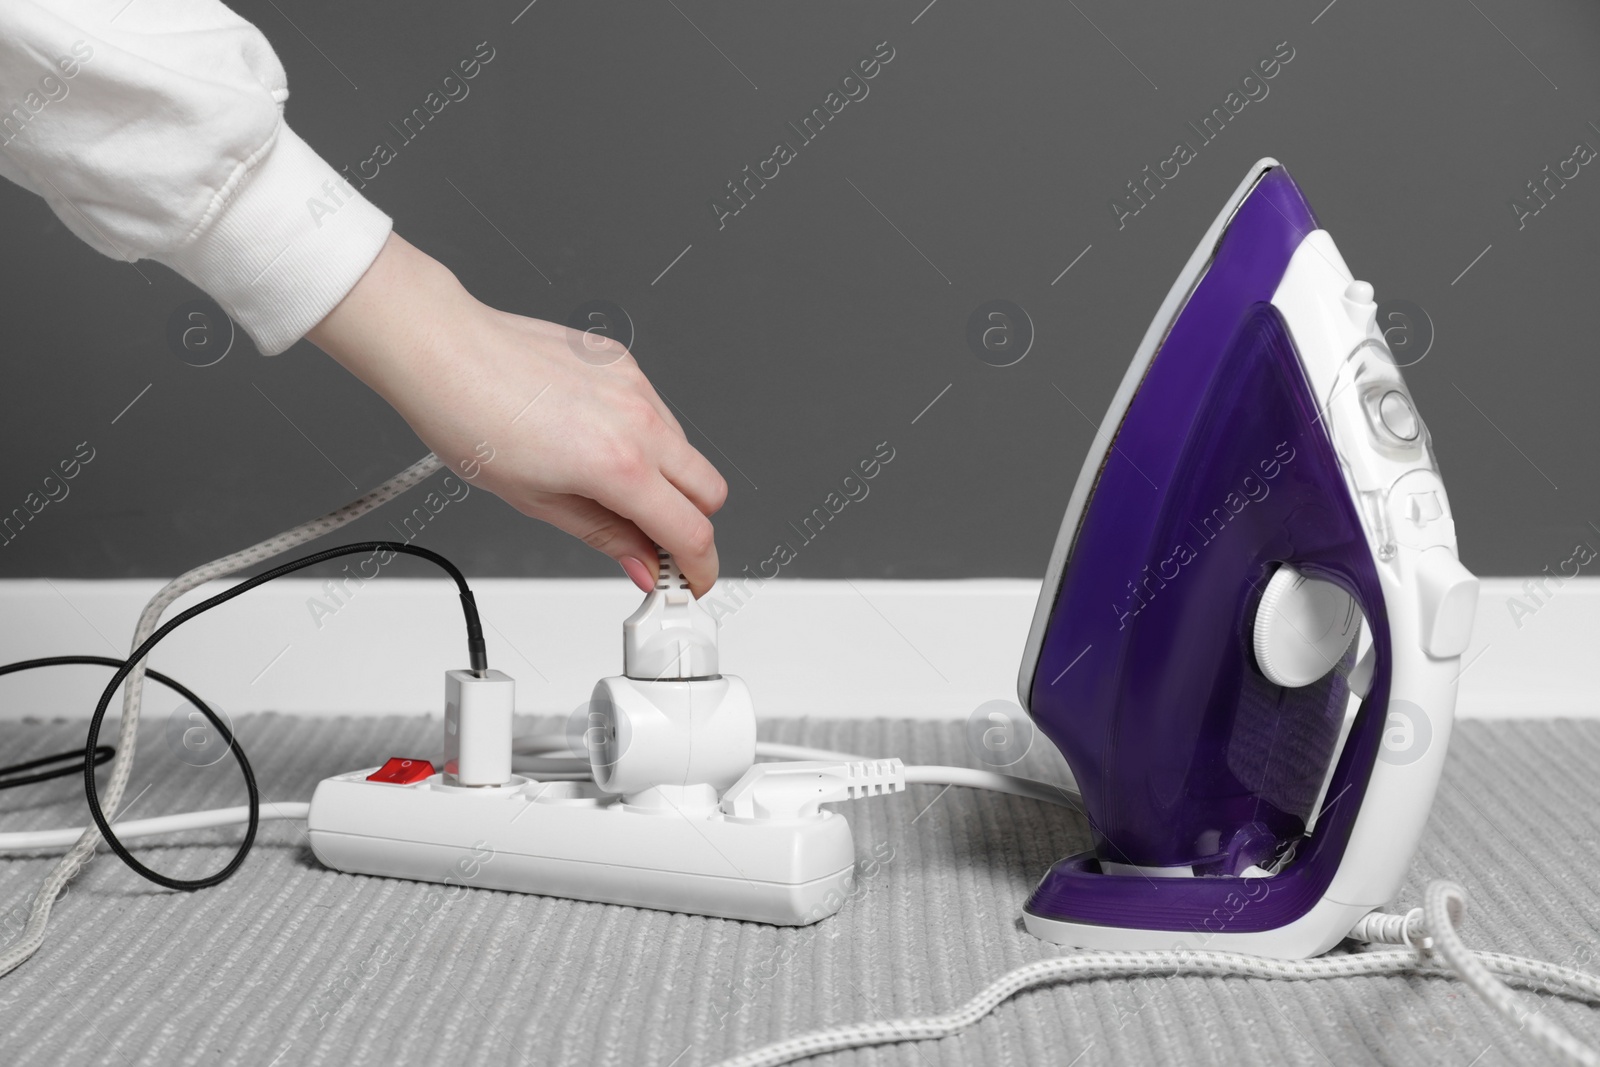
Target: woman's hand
<point x="583" y="443"/>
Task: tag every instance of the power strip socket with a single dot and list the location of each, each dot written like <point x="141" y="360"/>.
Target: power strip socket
<point x="568" y="839"/>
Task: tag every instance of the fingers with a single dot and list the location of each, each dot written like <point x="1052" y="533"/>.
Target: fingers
<point x="680" y="462"/>
<point x="683" y="464"/>
<point x="694" y="476"/>
<point x="668" y="518"/>
<point x="605" y="531"/>
<point x="656" y="489"/>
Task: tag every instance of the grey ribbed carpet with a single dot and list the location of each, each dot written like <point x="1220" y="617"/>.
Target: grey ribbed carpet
<point x="289" y="963"/>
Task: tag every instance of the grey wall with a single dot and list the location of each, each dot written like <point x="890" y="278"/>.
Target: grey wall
<point x="816" y="324"/>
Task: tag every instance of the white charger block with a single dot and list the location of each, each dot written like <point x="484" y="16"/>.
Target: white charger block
<point x="477" y="727"/>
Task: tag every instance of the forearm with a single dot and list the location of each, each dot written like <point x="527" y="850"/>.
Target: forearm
<point x="155" y="130"/>
<point x="391" y="330"/>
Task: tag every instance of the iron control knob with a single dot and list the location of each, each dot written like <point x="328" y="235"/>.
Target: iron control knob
<point x="1303" y="627"/>
<point x="1398" y="416"/>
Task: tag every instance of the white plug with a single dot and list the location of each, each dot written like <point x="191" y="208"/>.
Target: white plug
<point x="477" y="727"/>
<point x="671" y="732"/>
<point x="671" y="635"/>
<point x="794" y="790"/>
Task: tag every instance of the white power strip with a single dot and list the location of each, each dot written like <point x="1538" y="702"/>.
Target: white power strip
<point x="568" y="839"/>
<point x="676" y="815"/>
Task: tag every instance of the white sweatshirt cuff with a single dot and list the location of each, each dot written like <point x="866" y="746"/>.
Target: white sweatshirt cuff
<point x="286" y="246"/>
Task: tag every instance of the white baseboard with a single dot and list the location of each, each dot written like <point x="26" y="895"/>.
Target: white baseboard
<point x="931" y="649"/>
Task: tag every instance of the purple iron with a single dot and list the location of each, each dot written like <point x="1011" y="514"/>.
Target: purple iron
<point x="1249" y="635"/>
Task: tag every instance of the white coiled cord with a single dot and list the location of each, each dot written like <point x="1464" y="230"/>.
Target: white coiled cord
<point x="1443" y="905"/>
<point x="149" y="619"/>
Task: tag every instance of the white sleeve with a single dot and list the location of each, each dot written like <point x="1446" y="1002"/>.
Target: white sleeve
<point x="155" y="131"/>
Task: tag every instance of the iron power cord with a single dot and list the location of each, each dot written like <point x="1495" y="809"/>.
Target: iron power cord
<point x="1436" y="950"/>
<point x="475" y="649"/>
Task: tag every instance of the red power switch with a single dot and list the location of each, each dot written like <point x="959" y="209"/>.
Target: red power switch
<point x="402" y="771"/>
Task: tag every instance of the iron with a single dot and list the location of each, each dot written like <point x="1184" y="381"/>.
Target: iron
<point x="1249" y="635"/>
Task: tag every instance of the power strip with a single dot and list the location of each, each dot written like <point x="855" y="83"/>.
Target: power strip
<point x="675" y="815"/>
<point x="569" y="839"/>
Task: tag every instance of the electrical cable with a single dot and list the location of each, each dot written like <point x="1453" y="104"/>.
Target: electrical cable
<point x="1431" y="929"/>
<point x="44" y="898"/>
<point x="542" y="745"/>
<point x="9" y="776"/>
<point x="1066" y="795"/>
<point x="547" y="747"/>
<point x="553" y="768"/>
<point x="88" y="761"/>
<point x="475" y="647"/>
<point x="554" y="744"/>
<point x="779" y="750"/>
<point x="102" y="753"/>
<point x="37" y="840"/>
<point x="1442" y="908"/>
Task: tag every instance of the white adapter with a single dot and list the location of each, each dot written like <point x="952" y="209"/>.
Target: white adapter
<point x="671" y="732"/>
<point x="477" y="727"/>
<point x="671" y="743"/>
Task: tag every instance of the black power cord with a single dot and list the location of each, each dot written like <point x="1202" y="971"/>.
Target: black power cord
<point x="9" y="775"/>
<point x="9" y="779"/>
<point x="475" y="652"/>
<point x="90" y="754"/>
